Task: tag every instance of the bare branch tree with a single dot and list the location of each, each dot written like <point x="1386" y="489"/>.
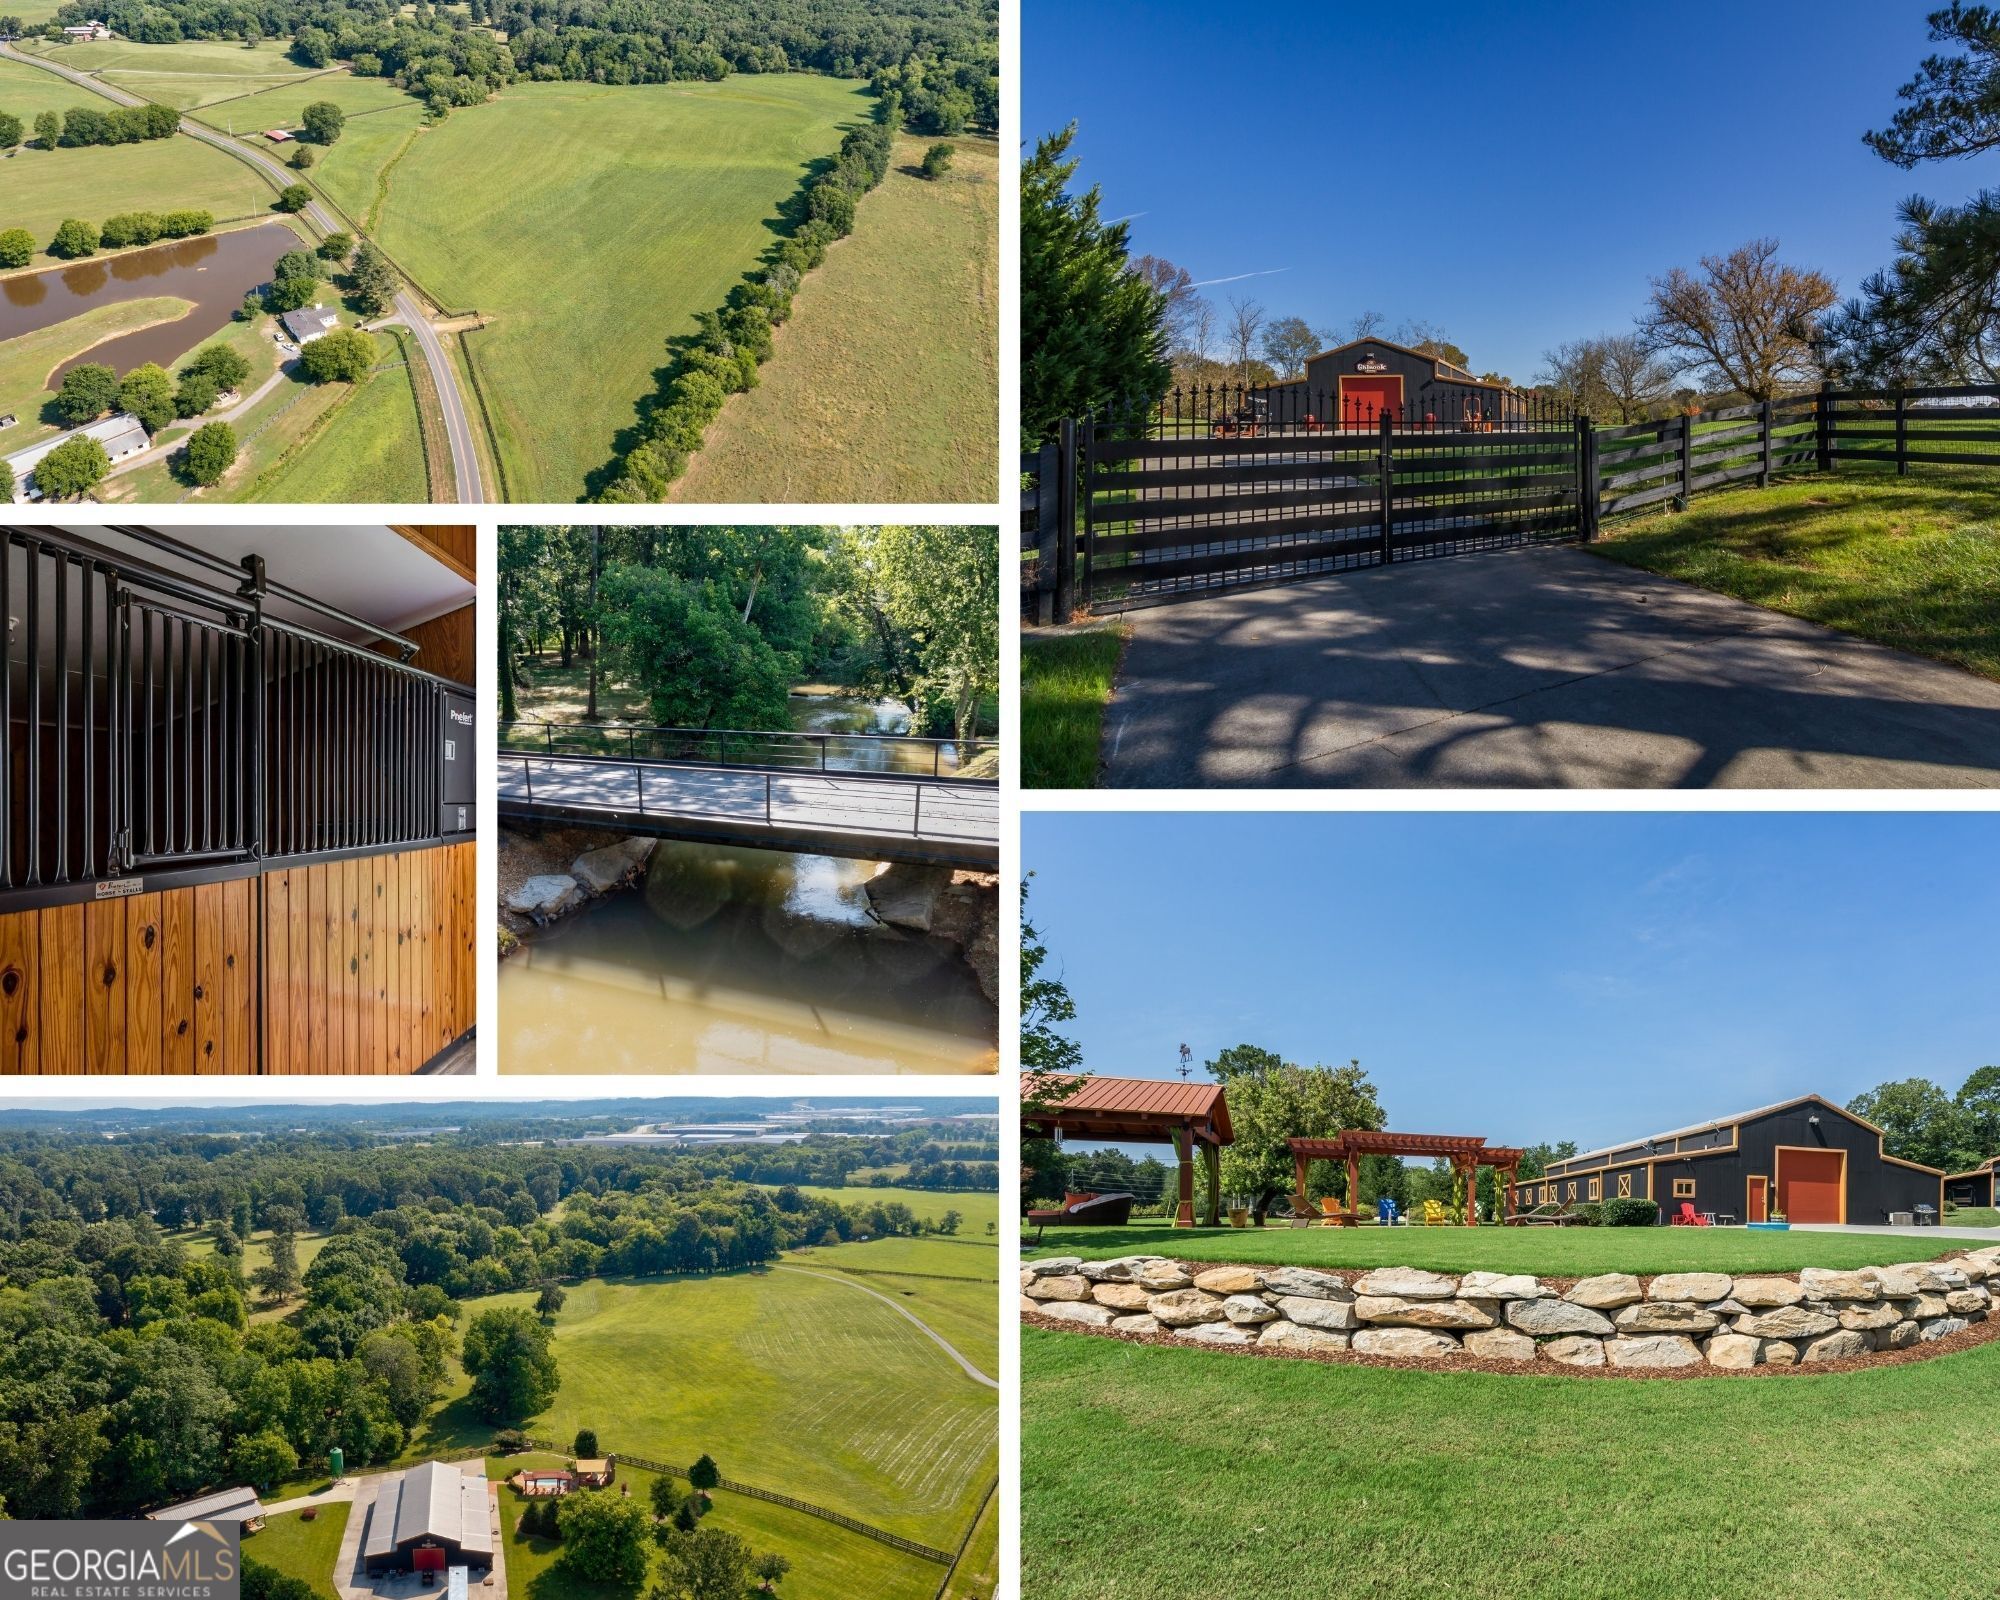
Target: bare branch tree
<point x="1364" y="325"/>
<point x="1634" y="377"/>
<point x="1246" y="321"/>
<point x="1744" y="325"/>
<point x="1201" y="325"/>
<point x="1175" y="286"/>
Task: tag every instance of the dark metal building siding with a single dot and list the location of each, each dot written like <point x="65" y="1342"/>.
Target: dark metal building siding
<point x="1975" y="1190"/>
<point x="1424" y="392"/>
<point x="1875" y="1186"/>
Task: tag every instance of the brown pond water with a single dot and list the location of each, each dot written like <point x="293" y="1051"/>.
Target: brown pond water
<point x="214" y="271"/>
<point x="733" y="960"/>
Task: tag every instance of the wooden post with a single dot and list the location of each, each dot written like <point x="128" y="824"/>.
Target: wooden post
<point x="1902" y="434"/>
<point x="1354" y="1186"/>
<point x="1686" y="496"/>
<point x="1385" y="467"/>
<point x="1823" y="424"/>
<point x="1471" y="1193"/>
<point x="1213" y="1163"/>
<point x="1184" y="1148"/>
<point x="1064" y="497"/>
<point x="1298" y="1184"/>
<point x="1764" y="420"/>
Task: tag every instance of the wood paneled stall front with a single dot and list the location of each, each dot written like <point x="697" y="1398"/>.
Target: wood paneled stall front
<point x="228" y="843"/>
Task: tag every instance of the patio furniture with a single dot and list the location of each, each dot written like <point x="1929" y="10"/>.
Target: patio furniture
<point x="1688" y="1217"/>
<point x="1927" y="1216"/>
<point x="1084" y="1211"/>
<point x="1434" y="1215"/>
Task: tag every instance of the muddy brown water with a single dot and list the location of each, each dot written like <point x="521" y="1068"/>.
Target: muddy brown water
<point x="214" y="272"/>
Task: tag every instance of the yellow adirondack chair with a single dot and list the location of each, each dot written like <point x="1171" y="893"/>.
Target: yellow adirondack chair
<point x="1434" y="1214"/>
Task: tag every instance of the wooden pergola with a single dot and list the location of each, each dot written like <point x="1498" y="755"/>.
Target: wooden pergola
<point x="1466" y="1155"/>
<point x="1189" y="1116"/>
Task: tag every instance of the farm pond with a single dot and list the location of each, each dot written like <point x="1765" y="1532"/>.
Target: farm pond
<point x="213" y="272"/>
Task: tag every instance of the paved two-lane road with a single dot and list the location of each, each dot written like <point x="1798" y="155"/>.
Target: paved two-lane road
<point x="444" y="377"/>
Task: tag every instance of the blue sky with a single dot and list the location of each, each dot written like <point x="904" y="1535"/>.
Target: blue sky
<point x="1513" y="172"/>
<point x="1532" y="976"/>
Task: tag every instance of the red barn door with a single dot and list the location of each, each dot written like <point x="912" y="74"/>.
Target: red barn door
<point x="1812" y="1185"/>
<point x="1363" y="400"/>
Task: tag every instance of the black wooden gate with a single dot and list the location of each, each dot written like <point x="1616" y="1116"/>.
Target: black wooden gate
<point x="1175" y="509"/>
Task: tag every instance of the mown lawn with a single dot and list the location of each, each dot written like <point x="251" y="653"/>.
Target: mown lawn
<point x="1188" y="1473"/>
<point x="884" y="384"/>
<point x="303" y="1550"/>
<point x="351" y="174"/>
<point x="191" y="73"/>
<point x="40" y="188"/>
<point x="791" y="1382"/>
<point x="1910" y="562"/>
<point x="1556" y="1252"/>
<point x="1974" y="1217"/>
<point x="371" y="450"/>
<point x="29" y="360"/>
<point x="251" y="109"/>
<point x="952" y="1288"/>
<point x="27" y="91"/>
<point x="977" y="1209"/>
<point x="828" y="1562"/>
<point x="624" y="212"/>
<point x="1066" y="682"/>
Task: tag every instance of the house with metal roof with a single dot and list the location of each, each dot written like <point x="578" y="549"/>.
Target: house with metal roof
<point x="239" y="1505"/>
<point x="309" y="323"/>
<point x="1805" y="1159"/>
<point x="1974" y="1188"/>
<point x="1192" y="1117"/>
<point x="1358" y="383"/>
<point x="433" y="1516"/>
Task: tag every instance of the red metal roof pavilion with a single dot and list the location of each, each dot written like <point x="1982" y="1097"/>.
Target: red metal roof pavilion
<point x="1188" y="1116"/>
<point x="1466" y="1153"/>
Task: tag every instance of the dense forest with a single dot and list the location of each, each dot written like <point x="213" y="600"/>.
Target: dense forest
<point x="715" y="625"/>
<point x="939" y="59"/>
<point x="136" y="1375"/>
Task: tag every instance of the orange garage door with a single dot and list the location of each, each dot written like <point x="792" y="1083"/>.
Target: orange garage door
<point x="1810" y="1185"/>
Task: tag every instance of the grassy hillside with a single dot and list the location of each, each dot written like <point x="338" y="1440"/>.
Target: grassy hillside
<point x="43" y="187"/>
<point x="885" y="381"/>
<point x="791" y="1382"/>
<point x="952" y="1288"/>
<point x="185" y="75"/>
<point x="280" y="106"/>
<point x="26" y="91"/>
<point x="618" y="215"/>
<point x="976" y="1209"/>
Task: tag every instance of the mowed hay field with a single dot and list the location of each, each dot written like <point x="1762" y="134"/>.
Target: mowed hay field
<point x="885" y="380"/>
<point x="951" y="1286"/>
<point x="248" y="115"/>
<point x="591" y="224"/>
<point x="791" y="1382"/>
<point x="976" y="1209"/>
<point x="39" y="188"/>
<point x="828" y="1561"/>
<point x="371" y="449"/>
<point x="27" y="91"/>
<point x="185" y="75"/>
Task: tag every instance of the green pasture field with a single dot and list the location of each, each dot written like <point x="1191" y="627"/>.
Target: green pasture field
<point x="1574" y="1252"/>
<point x="591" y="224"/>
<point x="977" y="1575"/>
<point x="42" y="187"/>
<point x="304" y="1550"/>
<point x="248" y="114"/>
<point x="371" y="450"/>
<point x="884" y="381"/>
<point x="1066" y="681"/>
<point x="1910" y="562"/>
<point x="30" y="359"/>
<point x="828" y="1562"/>
<point x="1178" y="1474"/>
<point x="952" y="1288"/>
<point x="977" y="1207"/>
<point x="27" y="91"/>
<point x="191" y="73"/>
<point x="790" y="1382"/>
<point x="351" y="173"/>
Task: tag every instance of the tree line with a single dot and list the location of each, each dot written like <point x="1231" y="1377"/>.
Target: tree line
<point x="135" y="1374"/>
<point x="1922" y="1121"/>
<point x="715" y="625"/>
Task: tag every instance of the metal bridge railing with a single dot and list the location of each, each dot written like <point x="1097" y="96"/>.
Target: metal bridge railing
<point x="893" y="754"/>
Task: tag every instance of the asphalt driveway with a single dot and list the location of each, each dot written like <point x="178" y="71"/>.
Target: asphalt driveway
<point x="1547" y="668"/>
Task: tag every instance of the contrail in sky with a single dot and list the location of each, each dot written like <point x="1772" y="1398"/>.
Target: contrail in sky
<point x="1240" y="276"/>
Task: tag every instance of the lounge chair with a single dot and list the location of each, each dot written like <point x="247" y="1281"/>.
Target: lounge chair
<point x="1435" y="1215"/>
<point x="1688" y="1217"/>
<point x="1084" y="1211"/>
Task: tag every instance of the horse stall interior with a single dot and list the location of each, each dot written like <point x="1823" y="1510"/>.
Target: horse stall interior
<point x="230" y="842"/>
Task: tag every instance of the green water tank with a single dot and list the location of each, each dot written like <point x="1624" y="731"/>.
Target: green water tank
<point x="336" y="1461"/>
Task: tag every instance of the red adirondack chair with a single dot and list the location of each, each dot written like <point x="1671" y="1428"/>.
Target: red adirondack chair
<point x="1688" y="1217"/>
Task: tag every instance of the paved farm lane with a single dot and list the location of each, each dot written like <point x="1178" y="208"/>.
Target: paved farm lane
<point x="1530" y="669"/>
<point x="971" y="1371"/>
<point x="444" y="377"/>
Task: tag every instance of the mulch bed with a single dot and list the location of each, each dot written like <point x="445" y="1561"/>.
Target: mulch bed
<point x="1979" y="1333"/>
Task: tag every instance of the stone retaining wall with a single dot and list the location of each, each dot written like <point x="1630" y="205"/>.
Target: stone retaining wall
<point x="1677" y="1319"/>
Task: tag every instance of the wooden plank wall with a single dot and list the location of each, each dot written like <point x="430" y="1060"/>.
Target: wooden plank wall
<point x="371" y="961"/>
<point x="161" y="982"/>
<point x="371" y="965"/>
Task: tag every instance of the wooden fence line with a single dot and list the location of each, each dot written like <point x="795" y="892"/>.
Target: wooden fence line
<point x="971" y="1528"/>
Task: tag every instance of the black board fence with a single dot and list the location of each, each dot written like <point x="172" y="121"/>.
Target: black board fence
<point x="965" y="1542"/>
<point x="1224" y="489"/>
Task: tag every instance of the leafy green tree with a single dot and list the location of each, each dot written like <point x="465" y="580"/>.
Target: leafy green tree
<point x="148" y="393"/>
<point x="706" y="1564"/>
<point x="344" y="356"/>
<point x="226" y="369"/>
<point x="705" y="1474"/>
<point x="6" y="483"/>
<point x="263" y="1459"/>
<point x="1091" y="329"/>
<point x="937" y="159"/>
<point x="252" y="307"/>
<point x="770" y="1568"/>
<point x="1919" y="1122"/>
<point x="278" y="1279"/>
<point x="512" y="1361"/>
<point x="585" y="1447"/>
<point x="666" y="1496"/>
<point x="74" y="238"/>
<point x="335" y="248"/>
<point x="1270" y="1104"/>
<point x="323" y="121"/>
<point x="549" y="1301"/>
<point x="1050" y="1059"/>
<point x="11" y="131"/>
<point x="17" y="247"/>
<point x="375" y="281"/>
<point x="701" y="664"/>
<point x="937" y="589"/>
<point x="604" y="1538"/>
<point x="301" y="158"/>
<point x="293" y="197"/>
<point x="1978" y="1101"/>
<point x="48" y="129"/>
<point x="86" y="393"/>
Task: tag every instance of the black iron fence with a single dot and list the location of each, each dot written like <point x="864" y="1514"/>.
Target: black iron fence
<point x="895" y="754"/>
<point x="1227" y="488"/>
<point x="156" y="722"/>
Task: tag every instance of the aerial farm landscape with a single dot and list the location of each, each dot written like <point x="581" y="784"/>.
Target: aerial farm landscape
<point x="675" y="252"/>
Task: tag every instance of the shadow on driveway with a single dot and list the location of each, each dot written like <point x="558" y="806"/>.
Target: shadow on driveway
<point x="1536" y="669"/>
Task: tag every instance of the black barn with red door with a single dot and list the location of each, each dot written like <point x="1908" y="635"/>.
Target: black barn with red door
<point x="1355" y="383"/>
